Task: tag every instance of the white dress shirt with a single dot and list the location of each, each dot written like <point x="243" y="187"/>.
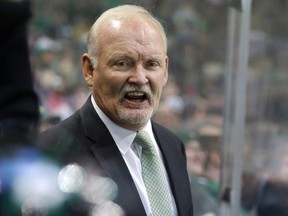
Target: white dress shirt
<point x="131" y="154"/>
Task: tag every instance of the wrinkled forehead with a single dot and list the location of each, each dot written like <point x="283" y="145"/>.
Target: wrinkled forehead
<point x="139" y="29"/>
<point x="141" y="24"/>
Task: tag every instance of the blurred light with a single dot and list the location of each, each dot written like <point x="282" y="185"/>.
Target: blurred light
<point x="33" y="206"/>
<point x="37" y="181"/>
<point x="98" y="190"/>
<point x="209" y="214"/>
<point x="71" y="178"/>
<point x="107" y="209"/>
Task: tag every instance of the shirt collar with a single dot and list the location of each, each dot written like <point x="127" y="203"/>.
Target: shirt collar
<point x="122" y="137"/>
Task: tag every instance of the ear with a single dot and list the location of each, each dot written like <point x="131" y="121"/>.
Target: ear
<point x="165" y="77"/>
<point x="87" y="69"/>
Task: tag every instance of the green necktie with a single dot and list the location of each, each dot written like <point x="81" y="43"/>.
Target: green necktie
<point x="154" y="176"/>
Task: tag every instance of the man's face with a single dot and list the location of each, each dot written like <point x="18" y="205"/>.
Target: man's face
<point x="132" y="69"/>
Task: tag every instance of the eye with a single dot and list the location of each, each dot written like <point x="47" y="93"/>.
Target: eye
<point x="152" y="64"/>
<point x="122" y="64"/>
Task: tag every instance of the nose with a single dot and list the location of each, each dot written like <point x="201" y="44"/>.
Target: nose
<point x="138" y="76"/>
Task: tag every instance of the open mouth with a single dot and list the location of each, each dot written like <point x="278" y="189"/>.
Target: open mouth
<point x="136" y="96"/>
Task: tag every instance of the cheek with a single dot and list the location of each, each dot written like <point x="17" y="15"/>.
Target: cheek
<point x="105" y="89"/>
<point x="109" y="86"/>
<point x="158" y="89"/>
<point x="158" y="82"/>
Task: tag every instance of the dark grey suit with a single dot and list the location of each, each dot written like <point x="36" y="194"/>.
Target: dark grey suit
<point x="83" y="138"/>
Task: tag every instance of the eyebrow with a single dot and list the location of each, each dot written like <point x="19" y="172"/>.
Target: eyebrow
<point x="131" y="56"/>
<point x="121" y="55"/>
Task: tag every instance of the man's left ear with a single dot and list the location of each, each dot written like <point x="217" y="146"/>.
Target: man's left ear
<point x="166" y="71"/>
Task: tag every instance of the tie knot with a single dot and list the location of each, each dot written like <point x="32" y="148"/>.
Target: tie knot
<point x="143" y="139"/>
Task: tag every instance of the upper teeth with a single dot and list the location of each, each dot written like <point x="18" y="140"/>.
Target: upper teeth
<point x="135" y="94"/>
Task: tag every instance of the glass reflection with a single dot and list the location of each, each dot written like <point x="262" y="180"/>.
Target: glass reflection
<point x="71" y="178"/>
<point x="107" y="209"/>
<point x="98" y="190"/>
<point x="36" y="185"/>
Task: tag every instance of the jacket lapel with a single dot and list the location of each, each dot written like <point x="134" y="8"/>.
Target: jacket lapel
<point x="175" y="166"/>
<point x="110" y="161"/>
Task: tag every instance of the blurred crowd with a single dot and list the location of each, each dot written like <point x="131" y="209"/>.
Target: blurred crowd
<point x="58" y="39"/>
<point x="192" y="103"/>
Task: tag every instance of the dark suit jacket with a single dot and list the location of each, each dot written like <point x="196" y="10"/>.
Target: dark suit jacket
<point x="83" y="138"/>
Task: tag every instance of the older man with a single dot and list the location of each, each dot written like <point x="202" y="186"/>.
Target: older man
<point x="126" y="68"/>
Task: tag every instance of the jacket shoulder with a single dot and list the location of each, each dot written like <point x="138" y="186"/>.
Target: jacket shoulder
<point x="164" y="132"/>
<point x="61" y="138"/>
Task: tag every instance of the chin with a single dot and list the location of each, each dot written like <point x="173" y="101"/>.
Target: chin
<point x="138" y="117"/>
